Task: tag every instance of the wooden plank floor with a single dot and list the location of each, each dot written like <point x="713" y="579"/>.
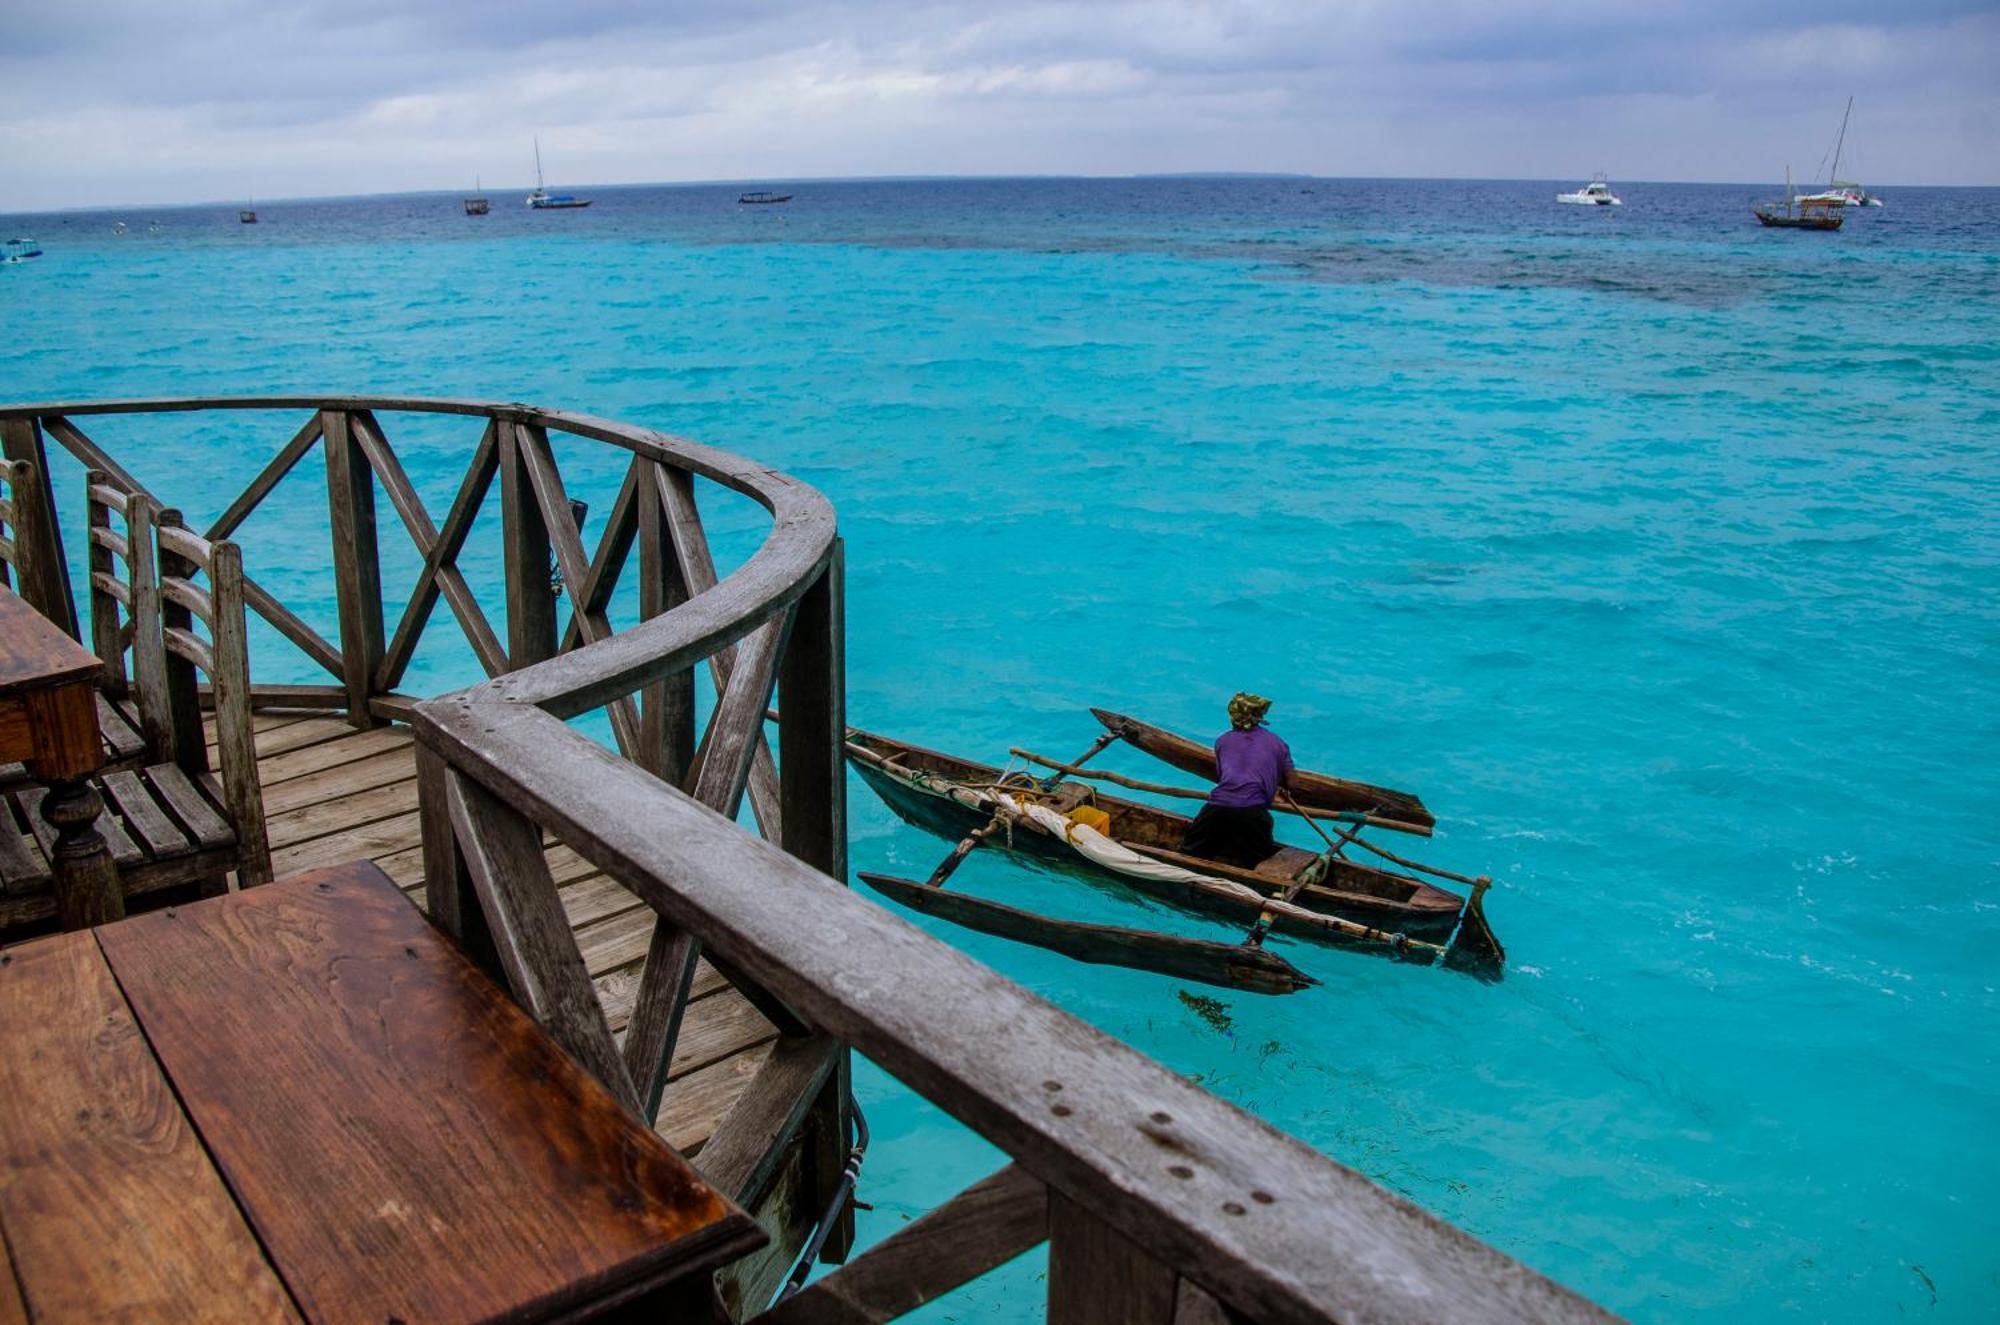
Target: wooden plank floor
<point x="332" y="793"/>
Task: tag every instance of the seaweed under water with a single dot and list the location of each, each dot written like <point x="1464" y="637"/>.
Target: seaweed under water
<point x="1211" y="1010"/>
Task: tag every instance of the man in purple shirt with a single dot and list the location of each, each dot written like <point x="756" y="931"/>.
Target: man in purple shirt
<point x="1251" y="764"/>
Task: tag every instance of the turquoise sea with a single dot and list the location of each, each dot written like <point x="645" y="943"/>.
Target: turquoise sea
<point x="1659" y="552"/>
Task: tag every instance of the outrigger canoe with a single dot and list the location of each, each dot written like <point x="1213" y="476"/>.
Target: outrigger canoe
<point x="1327" y="898"/>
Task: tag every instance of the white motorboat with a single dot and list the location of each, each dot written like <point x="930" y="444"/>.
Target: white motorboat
<point x="1597" y="193"/>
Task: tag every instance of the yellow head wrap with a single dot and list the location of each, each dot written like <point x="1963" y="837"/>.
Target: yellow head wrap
<point x="1247" y="710"/>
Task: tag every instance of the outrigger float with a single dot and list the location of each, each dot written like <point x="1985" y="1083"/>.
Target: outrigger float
<point x="1059" y="821"/>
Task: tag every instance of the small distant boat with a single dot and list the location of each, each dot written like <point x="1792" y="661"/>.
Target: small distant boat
<point x="1843" y="192"/>
<point x="1597" y="193"/>
<point x="19" y="250"/>
<point x="247" y="217"/>
<point x="762" y="199"/>
<point x="1796" y="213"/>
<point x="118" y="228"/>
<point x="477" y="204"/>
<point x="544" y="201"/>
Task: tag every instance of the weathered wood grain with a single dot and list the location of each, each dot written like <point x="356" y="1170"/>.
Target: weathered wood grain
<point x="1098" y="1276"/>
<point x="1194" y="1306"/>
<point x="979" y="1230"/>
<point x="363" y="843"/>
<point x="357" y="808"/>
<point x="667" y="718"/>
<point x="531" y="600"/>
<point x="274" y="771"/>
<point x="357" y="564"/>
<point x="462" y="1166"/>
<point x="700" y="1098"/>
<point x="503" y="856"/>
<point x="812" y="689"/>
<point x="111" y="1208"/>
<point x="749" y="1144"/>
<point x="235" y="736"/>
<point x="189" y="806"/>
<point x="36" y="531"/>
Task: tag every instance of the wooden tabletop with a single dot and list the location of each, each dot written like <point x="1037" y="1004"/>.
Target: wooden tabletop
<point x="300" y="1102"/>
<point x="35" y="651"/>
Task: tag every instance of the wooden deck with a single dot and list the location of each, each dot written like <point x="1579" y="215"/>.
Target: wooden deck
<point x="334" y="794"/>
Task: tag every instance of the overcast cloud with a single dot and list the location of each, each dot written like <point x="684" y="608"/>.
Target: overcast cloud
<point x="126" y="101"/>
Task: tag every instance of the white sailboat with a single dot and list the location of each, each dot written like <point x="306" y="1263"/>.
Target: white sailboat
<point x="1843" y="191"/>
<point x="541" y="199"/>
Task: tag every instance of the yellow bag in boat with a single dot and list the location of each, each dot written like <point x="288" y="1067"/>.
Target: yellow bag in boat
<point x="1089" y="816"/>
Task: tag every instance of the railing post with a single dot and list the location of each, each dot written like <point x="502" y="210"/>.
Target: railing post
<point x="1098" y="1276"/>
<point x="531" y="596"/>
<point x="666" y="717"/>
<point x="449" y="897"/>
<point x="36" y="526"/>
<point x="357" y="567"/>
<point x="812" y="798"/>
<point x="812" y="736"/>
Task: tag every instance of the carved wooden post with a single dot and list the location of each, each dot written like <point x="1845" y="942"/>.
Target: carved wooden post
<point x="36" y="526"/>
<point x="357" y="568"/>
<point x="812" y="794"/>
<point x="666" y="721"/>
<point x="531" y="597"/>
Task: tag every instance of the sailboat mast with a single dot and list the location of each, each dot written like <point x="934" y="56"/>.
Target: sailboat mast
<point x="538" y="163"/>
<point x="1841" y="141"/>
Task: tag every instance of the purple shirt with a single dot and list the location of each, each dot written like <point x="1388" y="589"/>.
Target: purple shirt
<point x="1249" y="766"/>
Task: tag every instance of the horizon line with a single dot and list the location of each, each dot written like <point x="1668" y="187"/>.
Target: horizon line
<point x="737" y="182"/>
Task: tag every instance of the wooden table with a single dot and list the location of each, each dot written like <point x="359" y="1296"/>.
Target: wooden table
<point x="48" y="720"/>
<point x="301" y="1103"/>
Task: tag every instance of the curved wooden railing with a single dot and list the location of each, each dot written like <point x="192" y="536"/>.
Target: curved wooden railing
<point x="1160" y="1201"/>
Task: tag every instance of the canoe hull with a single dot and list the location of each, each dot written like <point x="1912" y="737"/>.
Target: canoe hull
<point x="918" y="801"/>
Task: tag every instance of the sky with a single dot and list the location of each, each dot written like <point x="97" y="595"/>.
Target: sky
<point x="112" y="102"/>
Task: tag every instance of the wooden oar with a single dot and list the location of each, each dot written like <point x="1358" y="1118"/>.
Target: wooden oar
<point x="963" y="849"/>
<point x="1188" y="794"/>
<point x="1227" y="964"/>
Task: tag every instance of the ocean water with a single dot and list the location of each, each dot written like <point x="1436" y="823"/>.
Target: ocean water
<point x="1656" y="550"/>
